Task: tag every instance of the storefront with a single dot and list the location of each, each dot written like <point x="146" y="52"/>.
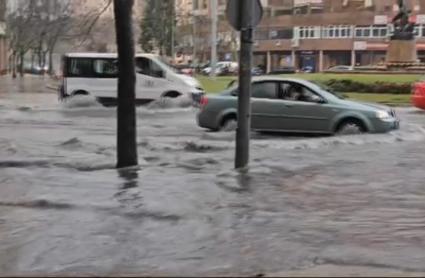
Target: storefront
<point x="372" y="57"/>
<point x="280" y="59"/>
<point x="336" y="58"/>
<point x="308" y="61"/>
<point x="260" y="60"/>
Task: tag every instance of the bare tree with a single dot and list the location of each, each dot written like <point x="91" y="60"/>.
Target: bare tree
<point x="21" y="34"/>
<point x="38" y="25"/>
<point x="126" y="137"/>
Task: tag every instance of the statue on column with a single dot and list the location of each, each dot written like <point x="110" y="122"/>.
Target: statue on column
<point x="403" y="28"/>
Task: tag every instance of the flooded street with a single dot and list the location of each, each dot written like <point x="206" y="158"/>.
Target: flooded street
<point x="353" y="201"/>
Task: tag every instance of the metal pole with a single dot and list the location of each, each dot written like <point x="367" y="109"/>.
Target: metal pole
<point x="244" y="104"/>
<point x="213" y="37"/>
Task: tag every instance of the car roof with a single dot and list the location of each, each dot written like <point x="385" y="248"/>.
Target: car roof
<point x="103" y="55"/>
<point x="280" y="79"/>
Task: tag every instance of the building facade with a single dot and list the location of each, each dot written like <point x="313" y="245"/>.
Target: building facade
<point x="3" y="41"/>
<point x="316" y="33"/>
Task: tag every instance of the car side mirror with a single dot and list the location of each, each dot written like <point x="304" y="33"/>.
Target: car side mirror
<point x="321" y="101"/>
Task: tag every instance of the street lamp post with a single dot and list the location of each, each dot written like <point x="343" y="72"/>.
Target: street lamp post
<point x="213" y="37"/>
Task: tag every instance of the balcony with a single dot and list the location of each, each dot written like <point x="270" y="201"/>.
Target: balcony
<point x="280" y="3"/>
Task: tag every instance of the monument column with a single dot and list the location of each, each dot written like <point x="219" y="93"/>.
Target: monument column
<point x="353" y="58"/>
<point x="269" y="62"/>
<point x="402" y="47"/>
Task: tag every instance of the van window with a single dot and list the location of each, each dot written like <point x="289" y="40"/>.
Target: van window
<point x="143" y="66"/>
<point x="148" y="67"/>
<point x="106" y="67"/>
<point x="80" y="67"/>
<point x="157" y="70"/>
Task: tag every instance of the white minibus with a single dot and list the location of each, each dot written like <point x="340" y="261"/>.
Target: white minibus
<point x="96" y="74"/>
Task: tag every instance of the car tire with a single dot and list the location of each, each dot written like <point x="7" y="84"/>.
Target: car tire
<point x="229" y="124"/>
<point x="351" y="127"/>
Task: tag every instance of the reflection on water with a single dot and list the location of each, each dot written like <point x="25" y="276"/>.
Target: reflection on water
<point x="130" y="177"/>
<point x="349" y="201"/>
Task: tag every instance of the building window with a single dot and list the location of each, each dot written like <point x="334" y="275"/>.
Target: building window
<point x="417" y="31"/>
<point x="337" y="31"/>
<point x="309" y="32"/>
<point x="282" y="12"/>
<point x="422" y="28"/>
<point x="373" y="31"/>
<point x="281" y="34"/>
<point x="261" y="34"/>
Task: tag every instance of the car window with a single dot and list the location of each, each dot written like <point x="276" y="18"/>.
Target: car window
<point x="298" y="92"/>
<point x="264" y="90"/>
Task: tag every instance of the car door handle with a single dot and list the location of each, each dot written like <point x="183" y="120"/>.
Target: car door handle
<point x="289" y="105"/>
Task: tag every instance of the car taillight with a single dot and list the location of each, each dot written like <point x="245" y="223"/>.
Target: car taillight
<point x="203" y="102"/>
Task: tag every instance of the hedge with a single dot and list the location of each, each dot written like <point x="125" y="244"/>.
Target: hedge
<point x="347" y="86"/>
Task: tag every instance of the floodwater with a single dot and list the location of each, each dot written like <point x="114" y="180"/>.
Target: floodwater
<point x="353" y="201"/>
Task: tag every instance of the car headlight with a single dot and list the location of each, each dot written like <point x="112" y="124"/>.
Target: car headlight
<point x="383" y="115"/>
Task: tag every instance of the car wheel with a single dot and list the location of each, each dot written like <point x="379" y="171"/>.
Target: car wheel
<point x="350" y="127"/>
<point x="229" y="124"/>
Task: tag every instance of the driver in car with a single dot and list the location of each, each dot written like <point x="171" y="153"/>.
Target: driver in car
<point x="295" y="93"/>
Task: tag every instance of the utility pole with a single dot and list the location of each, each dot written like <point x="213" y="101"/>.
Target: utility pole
<point x="244" y="104"/>
<point x="214" y="20"/>
<point x="126" y="116"/>
<point x="173" y="29"/>
<point x="194" y="38"/>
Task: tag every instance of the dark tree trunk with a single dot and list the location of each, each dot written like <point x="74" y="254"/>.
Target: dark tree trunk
<point x="21" y="63"/>
<point x="32" y="61"/>
<point x="40" y="57"/>
<point x="50" y="70"/>
<point x="13" y="64"/>
<point x="126" y="122"/>
<point x="43" y="65"/>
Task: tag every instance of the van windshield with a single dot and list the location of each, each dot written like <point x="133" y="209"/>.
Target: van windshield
<point x="164" y="63"/>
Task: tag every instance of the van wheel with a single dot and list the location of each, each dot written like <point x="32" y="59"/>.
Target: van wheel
<point x="80" y="93"/>
<point x="172" y="94"/>
<point x="351" y="127"/>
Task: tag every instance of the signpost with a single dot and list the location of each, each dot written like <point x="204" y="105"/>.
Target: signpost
<point x="244" y="15"/>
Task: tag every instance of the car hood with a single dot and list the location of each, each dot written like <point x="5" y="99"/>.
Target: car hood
<point x="367" y="105"/>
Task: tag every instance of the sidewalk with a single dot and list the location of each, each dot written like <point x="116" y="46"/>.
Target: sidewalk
<point x="347" y="271"/>
<point x="41" y="84"/>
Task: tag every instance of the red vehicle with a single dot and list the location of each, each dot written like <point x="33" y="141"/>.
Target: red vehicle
<point x="418" y="96"/>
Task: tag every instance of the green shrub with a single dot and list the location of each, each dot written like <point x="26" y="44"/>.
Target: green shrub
<point x="348" y="85"/>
